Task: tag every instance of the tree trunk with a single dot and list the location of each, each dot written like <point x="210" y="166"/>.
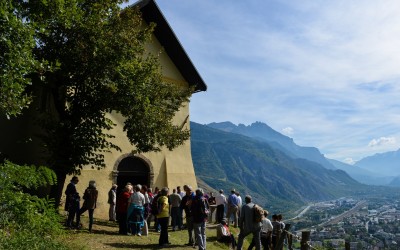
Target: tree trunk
<point x="56" y="190"/>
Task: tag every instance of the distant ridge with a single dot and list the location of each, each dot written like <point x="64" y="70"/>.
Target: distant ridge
<point x="382" y="164"/>
<point x="225" y="160"/>
<point x="262" y="131"/>
<point x="362" y="175"/>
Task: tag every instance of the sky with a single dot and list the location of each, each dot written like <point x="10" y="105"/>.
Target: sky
<point x="325" y="73"/>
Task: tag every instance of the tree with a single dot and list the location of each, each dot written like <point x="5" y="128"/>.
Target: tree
<point x="96" y="63"/>
<point x="16" y="59"/>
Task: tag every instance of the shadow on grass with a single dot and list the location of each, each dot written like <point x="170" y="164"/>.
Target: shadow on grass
<point x="212" y="238"/>
<point x="106" y="223"/>
<point x="105" y="232"/>
<point x="140" y="246"/>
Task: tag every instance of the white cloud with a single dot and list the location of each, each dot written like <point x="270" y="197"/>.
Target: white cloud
<point x="349" y="161"/>
<point x="382" y="141"/>
<point x="288" y="131"/>
<point x="329" y="68"/>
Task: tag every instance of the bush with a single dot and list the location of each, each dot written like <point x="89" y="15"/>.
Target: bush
<point x="26" y="221"/>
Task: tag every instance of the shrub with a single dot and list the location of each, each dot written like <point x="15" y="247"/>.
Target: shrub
<point x="26" y="221"/>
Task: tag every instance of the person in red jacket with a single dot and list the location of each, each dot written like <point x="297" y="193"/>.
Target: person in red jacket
<point x="122" y="209"/>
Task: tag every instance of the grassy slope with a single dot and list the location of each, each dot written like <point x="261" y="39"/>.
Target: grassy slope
<point x="105" y="236"/>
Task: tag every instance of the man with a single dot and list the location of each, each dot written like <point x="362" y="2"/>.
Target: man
<point x="180" y="215"/>
<point x="72" y="202"/>
<point x="154" y="209"/>
<point x="212" y="204"/>
<point x="266" y="232"/>
<point x="186" y="204"/>
<point x="175" y="201"/>
<point x="248" y="225"/>
<point x="276" y="231"/>
<point x="240" y="202"/>
<point x="199" y="209"/>
<point x="179" y="191"/>
<point x="112" y="200"/>
<point x="220" y="201"/>
<point x="233" y="208"/>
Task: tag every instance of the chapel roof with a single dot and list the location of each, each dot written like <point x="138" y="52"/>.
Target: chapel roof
<point x="166" y="36"/>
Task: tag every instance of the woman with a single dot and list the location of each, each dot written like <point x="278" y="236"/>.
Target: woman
<point x="163" y="216"/>
<point x="136" y="211"/>
<point x="90" y="200"/>
<point x="122" y="210"/>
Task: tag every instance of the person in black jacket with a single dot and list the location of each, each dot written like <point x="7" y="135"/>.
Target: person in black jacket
<point x="72" y="202"/>
<point x="90" y="197"/>
<point x="186" y="206"/>
<point x="200" y="215"/>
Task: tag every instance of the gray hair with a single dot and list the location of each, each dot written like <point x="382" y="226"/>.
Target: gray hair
<point x="199" y="191"/>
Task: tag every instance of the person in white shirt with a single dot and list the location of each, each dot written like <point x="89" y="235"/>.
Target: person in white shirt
<point x="136" y="211"/>
<point x="180" y="211"/>
<point x="240" y="202"/>
<point x="220" y="201"/>
<point x="112" y="200"/>
<point x="224" y="235"/>
<point x="266" y="232"/>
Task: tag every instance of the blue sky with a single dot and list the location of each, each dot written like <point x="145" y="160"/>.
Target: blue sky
<point x="325" y="73"/>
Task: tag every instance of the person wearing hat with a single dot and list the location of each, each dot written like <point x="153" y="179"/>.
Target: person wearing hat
<point x="112" y="200"/>
<point x="220" y="201"/>
<point x="224" y="235"/>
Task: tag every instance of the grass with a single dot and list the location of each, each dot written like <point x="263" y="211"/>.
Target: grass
<point x="105" y="236"/>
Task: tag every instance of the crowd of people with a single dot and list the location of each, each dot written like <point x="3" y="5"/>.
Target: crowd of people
<point x="138" y="209"/>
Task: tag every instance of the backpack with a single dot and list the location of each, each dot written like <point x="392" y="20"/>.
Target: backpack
<point x="276" y="228"/>
<point x="155" y="206"/>
<point x="258" y="213"/>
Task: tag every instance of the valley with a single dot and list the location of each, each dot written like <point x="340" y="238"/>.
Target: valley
<point x="365" y="224"/>
<point x="313" y="193"/>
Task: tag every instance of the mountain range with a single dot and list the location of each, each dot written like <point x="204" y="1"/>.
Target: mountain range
<point x="379" y="169"/>
<point x="271" y="173"/>
<point x="263" y="132"/>
<point x="258" y="160"/>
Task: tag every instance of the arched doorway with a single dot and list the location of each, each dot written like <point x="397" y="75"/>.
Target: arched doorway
<point x="133" y="169"/>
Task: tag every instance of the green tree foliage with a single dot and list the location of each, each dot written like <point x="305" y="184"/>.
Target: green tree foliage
<point x="94" y="62"/>
<point x="16" y="59"/>
<point x="26" y="221"/>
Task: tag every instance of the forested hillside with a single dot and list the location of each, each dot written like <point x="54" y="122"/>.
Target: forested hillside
<point x="278" y="182"/>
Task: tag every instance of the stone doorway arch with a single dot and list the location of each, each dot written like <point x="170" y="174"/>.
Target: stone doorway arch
<point x="135" y="169"/>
